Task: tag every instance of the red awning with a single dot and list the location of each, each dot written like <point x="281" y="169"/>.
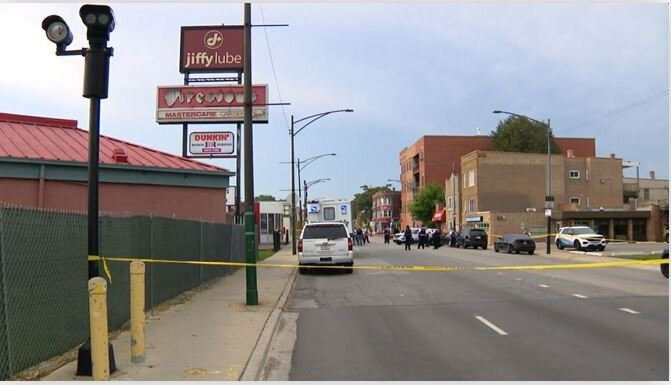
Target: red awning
<point x="439" y="216"/>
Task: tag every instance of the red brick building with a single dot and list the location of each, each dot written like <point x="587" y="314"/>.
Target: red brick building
<point x="44" y="164"/>
<point x="386" y="209"/>
<point x="432" y="158"/>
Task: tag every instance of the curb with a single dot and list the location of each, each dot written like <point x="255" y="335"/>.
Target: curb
<point x="257" y="360"/>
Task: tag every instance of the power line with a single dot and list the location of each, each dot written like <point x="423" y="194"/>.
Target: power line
<point x="272" y="64"/>
<point x="619" y="110"/>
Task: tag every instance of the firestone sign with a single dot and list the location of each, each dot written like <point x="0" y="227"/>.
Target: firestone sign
<point x="221" y="142"/>
<point x="209" y="104"/>
<point x="211" y="49"/>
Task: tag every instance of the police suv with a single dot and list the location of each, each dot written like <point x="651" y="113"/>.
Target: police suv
<point x="580" y="238"/>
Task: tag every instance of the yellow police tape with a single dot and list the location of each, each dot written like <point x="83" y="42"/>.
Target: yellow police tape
<point x="383" y="267"/>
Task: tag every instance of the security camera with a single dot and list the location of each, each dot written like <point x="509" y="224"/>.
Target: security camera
<point x="97" y="18"/>
<point x="57" y="31"/>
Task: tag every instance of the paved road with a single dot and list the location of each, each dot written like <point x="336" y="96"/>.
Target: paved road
<point x="597" y="324"/>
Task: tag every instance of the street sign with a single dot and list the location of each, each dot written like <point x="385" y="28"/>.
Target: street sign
<point x="213" y="48"/>
<point x="209" y="104"/>
<point x="343" y="209"/>
<point x="216" y="142"/>
<point x="548" y="212"/>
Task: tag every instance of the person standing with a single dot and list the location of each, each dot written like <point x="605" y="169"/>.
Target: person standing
<point x="435" y="238"/>
<point x="453" y="238"/>
<point x="421" y="238"/>
<point x="365" y="236"/>
<point x="386" y="236"/>
<point x="359" y="236"/>
<point x="408" y="237"/>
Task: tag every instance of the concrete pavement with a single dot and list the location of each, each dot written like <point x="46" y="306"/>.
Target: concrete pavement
<point x="212" y="336"/>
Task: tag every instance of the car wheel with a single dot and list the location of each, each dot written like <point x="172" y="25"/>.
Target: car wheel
<point x="484" y="247"/>
<point x="665" y="269"/>
<point x="576" y="245"/>
<point x="302" y="270"/>
<point x="496" y="249"/>
<point x="510" y="249"/>
<point x="531" y="252"/>
<point x="517" y="251"/>
<point x="601" y="248"/>
<point x="559" y="245"/>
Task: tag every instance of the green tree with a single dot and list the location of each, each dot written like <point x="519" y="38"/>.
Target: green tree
<point x="515" y="134"/>
<point x="363" y="201"/>
<point x="265" y="198"/>
<point x="424" y="205"/>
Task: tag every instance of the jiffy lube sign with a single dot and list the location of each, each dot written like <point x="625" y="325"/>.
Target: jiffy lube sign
<point x="209" y="104"/>
<point x="211" y="49"/>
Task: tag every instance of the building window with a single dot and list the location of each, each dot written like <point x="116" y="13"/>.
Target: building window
<point x="471" y="178"/>
<point x="471" y="205"/>
<point x="646" y="194"/>
<point x="574" y="174"/>
<point x="329" y="213"/>
<point x="465" y="176"/>
<point x="575" y="200"/>
<point x="449" y="203"/>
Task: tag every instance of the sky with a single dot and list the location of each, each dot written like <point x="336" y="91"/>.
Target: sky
<point x="406" y="69"/>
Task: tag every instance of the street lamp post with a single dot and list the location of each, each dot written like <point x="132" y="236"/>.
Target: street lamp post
<point x="549" y="199"/>
<point x="306" y="163"/>
<point x="293" y="132"/>
<point x="392" y="202"/>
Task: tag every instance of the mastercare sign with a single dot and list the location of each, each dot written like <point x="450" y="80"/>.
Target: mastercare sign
<point x="213" y="48"/>
<point x="209" y="104"/>
<point x="217" y="142"/>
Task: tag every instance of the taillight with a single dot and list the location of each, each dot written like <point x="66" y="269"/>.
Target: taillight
<point x="349" y="244"/>
<point x="300" y="245"/>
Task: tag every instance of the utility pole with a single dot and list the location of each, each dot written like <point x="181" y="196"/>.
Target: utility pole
<point x="250" y="225"/>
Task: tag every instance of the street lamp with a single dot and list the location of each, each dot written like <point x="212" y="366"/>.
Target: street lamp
<point x="306" y="186"/>
<point x="310" y="119"/>
<point x="99" y="21"/>
<point x="300" y="167"/>
<point x="549" y="199"/>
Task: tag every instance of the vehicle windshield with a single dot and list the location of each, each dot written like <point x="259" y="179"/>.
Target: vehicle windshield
<point x="582" y="230"/>
<point x="325" y="232"/>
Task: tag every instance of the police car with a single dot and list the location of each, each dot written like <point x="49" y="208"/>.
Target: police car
<point x="580" y="238"/>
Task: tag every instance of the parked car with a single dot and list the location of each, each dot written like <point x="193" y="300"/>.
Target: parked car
<point x="325" y="243"/>
<point x="580" y="238"/>
<point x="472" y="238"/>
<point x="399" y="238"/>
<point x="515" y="242"/>
<point x="665" y="266"/>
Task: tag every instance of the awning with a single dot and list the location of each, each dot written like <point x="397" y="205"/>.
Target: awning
<point x="439" y="216"/>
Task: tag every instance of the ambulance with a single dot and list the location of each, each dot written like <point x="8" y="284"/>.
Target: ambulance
<point x="330" y="210"/>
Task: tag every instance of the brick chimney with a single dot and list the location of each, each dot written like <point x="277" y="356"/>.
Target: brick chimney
<point x="119" y="155"/>
<point x="652" y="174"/>
<point x="612" y="156"/>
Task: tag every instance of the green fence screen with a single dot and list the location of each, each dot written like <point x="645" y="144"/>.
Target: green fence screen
<point x="43" y="274"/>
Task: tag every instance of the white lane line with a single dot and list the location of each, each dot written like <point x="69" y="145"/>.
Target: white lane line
<point x="491" y="325"/>
<point x="579" y="296"/>
<point x="543" y="285"/>
<point x="518" y="279"/>
<point x="624" y="309"/>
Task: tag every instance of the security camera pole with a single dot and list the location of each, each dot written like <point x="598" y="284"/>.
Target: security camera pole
<point x="99" y="21"/>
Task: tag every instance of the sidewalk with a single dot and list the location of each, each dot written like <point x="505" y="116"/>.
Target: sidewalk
<point x="210" y="337"/>
<point x="586" y="257"/>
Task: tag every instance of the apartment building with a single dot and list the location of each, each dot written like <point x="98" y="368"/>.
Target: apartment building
<point x="386" y="210"/>
<point x="505" y="192"/>
<point x="433" y="158"/>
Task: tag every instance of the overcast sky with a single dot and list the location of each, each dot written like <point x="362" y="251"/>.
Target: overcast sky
<point x="406" y="69"/>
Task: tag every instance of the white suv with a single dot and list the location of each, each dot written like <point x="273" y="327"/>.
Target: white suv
<point x="579" y="237"/>
<point x="325" y="243"/>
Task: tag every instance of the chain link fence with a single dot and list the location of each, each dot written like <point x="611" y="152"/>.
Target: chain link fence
<point x="44" y="274"/>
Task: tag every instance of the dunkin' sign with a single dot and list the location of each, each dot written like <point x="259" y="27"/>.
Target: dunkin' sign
<point x="211" y="49"/>
<point x="209" y="104"/>
<point x="212" y="143"/>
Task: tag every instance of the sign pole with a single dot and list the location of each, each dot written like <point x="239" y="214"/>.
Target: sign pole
<point x="238" y="167"/>
<point x="250" y="225"/>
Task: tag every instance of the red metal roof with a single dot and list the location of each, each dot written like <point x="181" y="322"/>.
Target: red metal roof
<point x="34" y="137"/>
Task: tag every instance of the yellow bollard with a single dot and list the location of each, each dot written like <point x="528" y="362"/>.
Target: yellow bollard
<point x="98" y="324"/>
<point x="137" y="311"/>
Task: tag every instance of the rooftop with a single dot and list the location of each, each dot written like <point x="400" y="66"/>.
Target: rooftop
<point x="41" y="138"/>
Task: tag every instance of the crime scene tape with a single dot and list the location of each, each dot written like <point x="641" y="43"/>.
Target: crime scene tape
<point x="385" y="267"/>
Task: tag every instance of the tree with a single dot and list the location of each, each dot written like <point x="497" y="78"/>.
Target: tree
<point x="265" y="198"/>
<point x="516" y="134"/>
<point x="363" y="201"/>
<point x="424" y="205"/>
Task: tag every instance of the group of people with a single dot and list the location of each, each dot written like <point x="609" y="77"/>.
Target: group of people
<point x="422" y="238"/>
<point x="361" y="236"/>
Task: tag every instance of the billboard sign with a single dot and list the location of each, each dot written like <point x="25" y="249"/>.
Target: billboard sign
<point x="214" y="48"/>
<point x="212" y="143"/>
<point x="209" y="104"/>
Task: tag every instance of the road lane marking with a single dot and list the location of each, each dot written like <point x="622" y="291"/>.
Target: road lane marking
<point x="491" y="325"/>
<point x="542" y="285"/>
<point x="579" y="296"/>
<point x="624" y="309"/>
<point x="518" y="279"/>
